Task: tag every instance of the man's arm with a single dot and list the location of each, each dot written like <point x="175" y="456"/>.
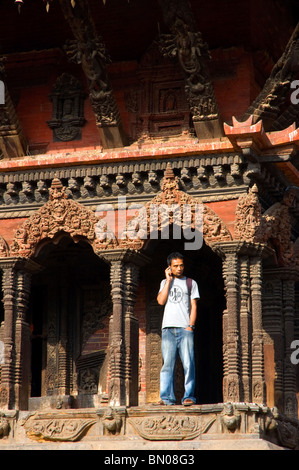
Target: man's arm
<point x="163" y="295"/>
<point x="193" y="313"/>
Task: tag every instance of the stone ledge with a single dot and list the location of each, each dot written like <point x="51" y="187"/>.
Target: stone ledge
<point x="222" y="425"/>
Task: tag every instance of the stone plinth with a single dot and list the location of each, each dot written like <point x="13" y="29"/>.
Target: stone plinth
<point x="151" y="427"/>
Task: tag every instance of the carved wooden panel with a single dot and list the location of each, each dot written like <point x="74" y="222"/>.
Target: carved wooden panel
<point x="68" y="109"/>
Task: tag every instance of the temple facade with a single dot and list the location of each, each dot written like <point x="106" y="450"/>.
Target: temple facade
<point x="129" y="130"/>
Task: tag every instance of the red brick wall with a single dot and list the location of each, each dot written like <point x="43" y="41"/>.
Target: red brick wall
<point x="226" y="211"/>
<point x="35" y="109"/>
<point x="8" y="228"/>
<point x="99" y="340"/>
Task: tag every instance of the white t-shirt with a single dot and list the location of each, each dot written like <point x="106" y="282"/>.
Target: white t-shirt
<point x="177" y="307"/>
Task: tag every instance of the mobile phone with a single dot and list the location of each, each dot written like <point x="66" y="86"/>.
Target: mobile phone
<point x="170" y="270"/>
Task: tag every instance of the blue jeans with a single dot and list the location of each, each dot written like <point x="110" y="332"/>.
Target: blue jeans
<point x="177" y="340"/>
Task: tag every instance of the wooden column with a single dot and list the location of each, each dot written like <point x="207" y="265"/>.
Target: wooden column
<point x="231" y="345"/>
<point x="131" y="334"/>
<point x="243" y="333"/>
<point x="15" y="380"/>
<point x="124" y="327"/>
<point x="9" y="283"/>
<point x="245" y="328"/>
<point x="117" y="370"/>
<point x="22" y="342"/>
<point x="288" y="290"/>
<point x="257" y="360"/>
<point x="274" y="337"/>
<point x="279" y="324"/>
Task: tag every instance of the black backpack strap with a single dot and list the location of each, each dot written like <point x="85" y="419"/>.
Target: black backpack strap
<point x="189" y="285"/>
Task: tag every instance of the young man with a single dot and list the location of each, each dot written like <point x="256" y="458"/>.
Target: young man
<point x="177" y="329"/>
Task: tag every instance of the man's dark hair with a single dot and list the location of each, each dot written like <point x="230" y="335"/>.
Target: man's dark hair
<point x="174" y="255"/>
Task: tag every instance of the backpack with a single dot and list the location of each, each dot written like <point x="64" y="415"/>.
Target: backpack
<point x="189" y="285"/>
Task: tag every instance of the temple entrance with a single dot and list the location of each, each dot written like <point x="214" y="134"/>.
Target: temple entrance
<point x="206" y="268"/>
<point x="69" y="315"/>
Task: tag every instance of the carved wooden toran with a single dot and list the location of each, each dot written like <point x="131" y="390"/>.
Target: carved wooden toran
<point x="61" y="215"/>
<point x="64" y="216"/>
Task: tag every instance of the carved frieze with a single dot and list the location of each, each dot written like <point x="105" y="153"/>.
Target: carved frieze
<point x="214" y="229"/>
<point x="58" y="215"/>
<point x="4" y="249"/>
<point x="278" y="228"/>
<point x="171" y="427"/>
<point x="273" y="227"/>
<point x="248" y="222"/>
<point x="57" y="428"/>
<point x="4" y="426"/>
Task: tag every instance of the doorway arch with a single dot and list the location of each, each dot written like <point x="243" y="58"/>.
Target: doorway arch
<point x="205" y="267"/>
<point x="69" y="321"/>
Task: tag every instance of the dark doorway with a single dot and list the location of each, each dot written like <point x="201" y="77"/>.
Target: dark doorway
<point x="206" y="268"/>
<point x="66" y="309"/>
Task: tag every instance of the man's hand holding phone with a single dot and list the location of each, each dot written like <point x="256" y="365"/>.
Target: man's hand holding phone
<point x="168" y="273"/>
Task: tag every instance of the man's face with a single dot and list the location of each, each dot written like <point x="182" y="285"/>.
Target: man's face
<point x="177" y="267"/>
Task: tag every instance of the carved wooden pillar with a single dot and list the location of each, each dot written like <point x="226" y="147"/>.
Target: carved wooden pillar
<point x="288" y="291"/>
<point x="124" y="327"/>
<point x="274" y="338"/>
<point x="257" y="360"/>
<point x="245" y="327"/>
<point x="243" y="354"/>
<point x="117" y="386"/>
<point x="15" y="380"/>
<point x="231" y="337"/>
<point x="7" y="391"/>
<point x="279" y="324"/>
<point x="22" y="342"/>
<point x="63" y="356"/>
<point x="131" y="334"/>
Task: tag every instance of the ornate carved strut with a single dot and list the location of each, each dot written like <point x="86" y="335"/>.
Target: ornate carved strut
<point x="89" y="50"/>
<point x="186" y="44"/>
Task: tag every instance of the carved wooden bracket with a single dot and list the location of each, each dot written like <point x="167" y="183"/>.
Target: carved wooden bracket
<point x="13" y="143"/>
<point x="186" y="43"/>
<point x="89" y="50"/>
<point x="270" y="102"/>
<point x="272" y="228"/>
